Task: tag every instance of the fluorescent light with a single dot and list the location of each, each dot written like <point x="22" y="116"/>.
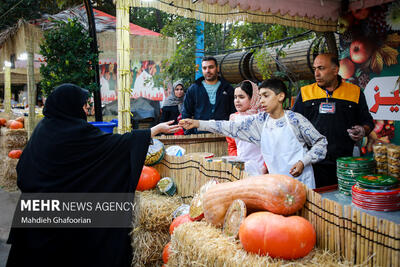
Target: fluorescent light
<point x="7" y="63"/>
<point x="23" y="56"/>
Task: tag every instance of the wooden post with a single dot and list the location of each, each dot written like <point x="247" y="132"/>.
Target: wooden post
<point x="31" y="94"/>
<point x="7" y="89"/>
<point x="95" y="65"/>
<point x="123" y="50"/>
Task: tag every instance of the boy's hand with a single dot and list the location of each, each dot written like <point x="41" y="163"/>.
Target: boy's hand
<point x="189" y="124"/>
<point x="297" y="169"/>
<point x="164" y="127"/>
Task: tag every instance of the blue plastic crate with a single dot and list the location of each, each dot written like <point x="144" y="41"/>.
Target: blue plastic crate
<point x="107" y="127"/>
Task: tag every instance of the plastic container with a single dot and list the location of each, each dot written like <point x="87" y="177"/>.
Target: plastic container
<point x="107" y="127"/>
<point x="393" y="151"/>
<point x="393" y="161"/>
<point x="380" y="148"/>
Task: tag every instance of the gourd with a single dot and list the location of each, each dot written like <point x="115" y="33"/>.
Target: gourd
<point x="15" y="154"/>
<point x="282" y="237"/>
<point x="148" y="179"/>
<point x="178" y="221"/>
<point x="277" y="193"/>
<point x="165" y="253"/>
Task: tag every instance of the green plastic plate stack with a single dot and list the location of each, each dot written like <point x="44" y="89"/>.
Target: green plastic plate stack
<point x="348" y="168"/>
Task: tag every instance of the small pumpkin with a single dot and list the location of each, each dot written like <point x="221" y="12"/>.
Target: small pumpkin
<point x="282" y="237"/>
<point x="3" y="121"/>
<point x="276" y="193"/>
<point x="15" y="154"/>
<point x="178" y="221"/>
<point x="165" y="253"/>
<point x="20" y="119"/>
<point x="13" y="124"/>
<point x="148" y="179"/>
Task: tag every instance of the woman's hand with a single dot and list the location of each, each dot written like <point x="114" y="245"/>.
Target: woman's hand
<point x="297" y="169"/>
<point x="164" y="127"/>
<point x="189" y="124"/>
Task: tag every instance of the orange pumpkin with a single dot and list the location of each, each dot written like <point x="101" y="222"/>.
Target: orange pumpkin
<point x="178" y="221"/>
<point x="3" y="122"/>
<point x="15" y="124"/>
<point x="148" y="179"/>
<point x="20" y="119"/>
<point x="282" y="237"/>
<point x="15" y="154"/>
<point x="165" y="253"/>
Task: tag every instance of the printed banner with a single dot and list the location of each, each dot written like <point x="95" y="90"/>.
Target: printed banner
<point x="382" y="95"/>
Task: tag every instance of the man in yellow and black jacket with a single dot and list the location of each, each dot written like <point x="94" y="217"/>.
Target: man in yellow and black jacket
<point x="337" y="110"/>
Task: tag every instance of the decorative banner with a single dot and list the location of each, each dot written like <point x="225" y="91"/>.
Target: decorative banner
<point x="370" y="57"/>
<point x="382" y="95"/>
<point x="142" y="82"/>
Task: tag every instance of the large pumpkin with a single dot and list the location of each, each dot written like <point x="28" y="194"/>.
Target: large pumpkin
<point x="282" y="237"/>
<point x="148" y="179"/>
<point x="277" y="193"/>
<point x="15" y="154"/>
<point x="165" y="253"/>
<point x="178" y="221"/>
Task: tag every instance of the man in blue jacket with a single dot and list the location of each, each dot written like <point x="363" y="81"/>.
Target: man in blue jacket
<point x="210" y="97"/>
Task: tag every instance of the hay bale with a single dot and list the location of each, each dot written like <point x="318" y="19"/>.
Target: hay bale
<point x="8" y="174"/>
<point x="148" y="246"/>
<point x="153" y="211"/>
<point x="13" y="139"/>
<point x="201" y="244"/>
<point x="152" y="218"/>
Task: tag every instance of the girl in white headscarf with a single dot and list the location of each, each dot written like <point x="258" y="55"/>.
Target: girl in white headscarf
<point x="247" y="102"/>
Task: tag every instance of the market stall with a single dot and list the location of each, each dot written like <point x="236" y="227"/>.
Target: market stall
<point x="345" y="233"/>
<point x="352" y="233"/>
<point x="13" y="138"/>
<point x="20" y="47"/>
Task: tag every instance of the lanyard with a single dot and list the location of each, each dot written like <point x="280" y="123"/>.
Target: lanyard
<point x="327" y="95"/>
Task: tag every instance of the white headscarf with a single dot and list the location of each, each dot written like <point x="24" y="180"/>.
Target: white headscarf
<point x="254" y="103"/>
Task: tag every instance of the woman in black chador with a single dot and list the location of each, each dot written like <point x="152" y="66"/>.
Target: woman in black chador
<point x="65" y="154"/>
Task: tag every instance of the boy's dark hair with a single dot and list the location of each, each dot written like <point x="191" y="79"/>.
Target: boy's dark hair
<point x="276" y="85"/>
<point x="247" y="88"/>
<point x="208" y="58"/>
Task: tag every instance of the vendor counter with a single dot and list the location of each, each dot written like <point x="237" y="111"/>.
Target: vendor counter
<point x="358" y="236"/>
<point x="334" y="195"/>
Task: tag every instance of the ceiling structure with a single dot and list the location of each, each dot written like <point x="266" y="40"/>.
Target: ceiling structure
<point x="317" y="15"/>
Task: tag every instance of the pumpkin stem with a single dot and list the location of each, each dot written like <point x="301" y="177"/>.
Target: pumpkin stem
<point x="289" y="199"/>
